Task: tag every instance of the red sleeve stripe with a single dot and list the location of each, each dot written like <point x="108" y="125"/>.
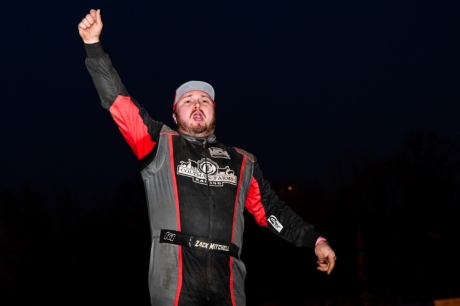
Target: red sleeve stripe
<point x="176" y="198"/>
<point x="254" y="203"/>
<point x="131" y="125"/>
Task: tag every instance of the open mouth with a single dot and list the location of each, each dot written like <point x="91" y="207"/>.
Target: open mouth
<point x="198" y="116"/>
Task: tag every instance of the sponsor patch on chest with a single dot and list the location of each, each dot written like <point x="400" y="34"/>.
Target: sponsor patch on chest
<point x="207" y="172"/>
<point x="218" y="153"/>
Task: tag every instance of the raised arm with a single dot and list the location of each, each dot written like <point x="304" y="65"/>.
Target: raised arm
<point x="105" y="77"/>
<point x="135" y="124"/>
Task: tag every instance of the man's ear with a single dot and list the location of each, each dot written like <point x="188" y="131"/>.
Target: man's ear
<point x="174" y="117"/>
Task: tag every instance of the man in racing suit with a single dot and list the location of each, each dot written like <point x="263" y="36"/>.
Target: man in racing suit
<point x="197" y="189"/>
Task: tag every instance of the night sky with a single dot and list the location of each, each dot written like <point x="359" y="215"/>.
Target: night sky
<point x="297" y="84"/>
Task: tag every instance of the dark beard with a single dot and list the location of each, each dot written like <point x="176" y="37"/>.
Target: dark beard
<point x="196" y="130"/>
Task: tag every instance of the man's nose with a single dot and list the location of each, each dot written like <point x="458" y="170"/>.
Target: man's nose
<point x="197" y="104"/>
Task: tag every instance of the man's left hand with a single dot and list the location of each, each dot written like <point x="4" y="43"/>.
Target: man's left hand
<point x="326" y="257"/>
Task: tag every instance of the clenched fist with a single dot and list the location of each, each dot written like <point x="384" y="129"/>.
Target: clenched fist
<point x="90" y="27"/>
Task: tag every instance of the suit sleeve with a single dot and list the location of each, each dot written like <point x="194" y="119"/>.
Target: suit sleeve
<point x="270" y="211"/>
<point x="136" y="126"/>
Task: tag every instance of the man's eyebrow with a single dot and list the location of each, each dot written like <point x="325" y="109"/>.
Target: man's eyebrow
<point x="184" y="97"/>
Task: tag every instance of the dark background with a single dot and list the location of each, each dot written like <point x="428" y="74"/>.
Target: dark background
<point x="352" y="104"/>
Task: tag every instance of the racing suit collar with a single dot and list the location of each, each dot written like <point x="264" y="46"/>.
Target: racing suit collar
<point x="200" y="140"/>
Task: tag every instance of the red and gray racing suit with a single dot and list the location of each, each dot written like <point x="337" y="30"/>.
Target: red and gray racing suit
<point x="196" y="193"/>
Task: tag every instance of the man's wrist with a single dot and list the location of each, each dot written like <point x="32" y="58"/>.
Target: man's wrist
<point x="319" y="240"/>
<point x="91" y="40"/>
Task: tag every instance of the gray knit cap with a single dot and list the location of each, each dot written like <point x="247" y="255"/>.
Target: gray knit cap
<point x="193" y="85"/>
